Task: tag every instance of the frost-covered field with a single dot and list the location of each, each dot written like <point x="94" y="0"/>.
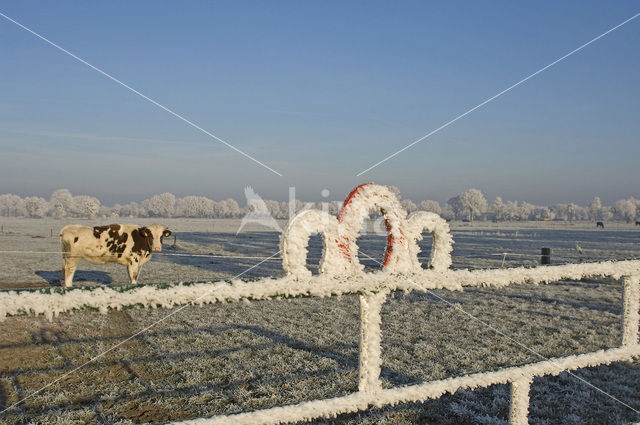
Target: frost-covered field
<point x="222" y="359"/>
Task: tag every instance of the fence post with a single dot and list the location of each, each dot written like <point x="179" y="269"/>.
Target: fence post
<point x="630" y="315"/>
<point x="545" y="255"/>
<point x="370" y="339"/>
<point x="519" y="409"/>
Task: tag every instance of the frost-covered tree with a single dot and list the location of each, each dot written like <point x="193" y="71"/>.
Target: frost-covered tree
<point x="106" y="211"/>
<point x="595" y="209"/>
<point x="625" y="209"/>
<point x="469" y="204"/>
<point x="132" y="209"/>
<point x="162" y="205"/>
<point x="474" y="201"/>
<point x="541" y="213"/>
<point x="274" y="208"/>
<point x="194" y="206"/>
<point x="570" y="212"/>
<point x="432" y="206"/>
<point x="60" y="203"/>
<point x="447" y="212"/>
<point x="11" y="205"/>
<point x="85" y="206"/>
<point x="116" y="210"/>
<point x="227" y="209"/>
<point x="497" y="209"/>
<point x="525" y="210"/>
<point x="284" y="210"/>
<point x="409" y="205"/>
<point x="35" y="206"/>
<point x="511" y="210"/>
<point x="455" y="206"/>
<point x="561" y="212"/>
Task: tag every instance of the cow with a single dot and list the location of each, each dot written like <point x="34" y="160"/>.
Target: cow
<point x="600" y="224"/>
<point x="637" y="223"/>
<point x="127" y="244"/>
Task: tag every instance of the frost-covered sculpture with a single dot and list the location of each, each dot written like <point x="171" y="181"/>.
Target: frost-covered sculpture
<point x="340" y="249"/>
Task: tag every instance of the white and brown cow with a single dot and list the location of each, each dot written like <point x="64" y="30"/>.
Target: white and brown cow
<point x="127" y="244"/>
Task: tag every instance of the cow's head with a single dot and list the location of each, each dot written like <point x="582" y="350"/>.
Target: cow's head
<point x="153" y="235"/>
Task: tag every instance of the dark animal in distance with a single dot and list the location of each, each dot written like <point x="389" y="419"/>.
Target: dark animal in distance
<point x="600" y="224"/>
<point x="127" y="244"/>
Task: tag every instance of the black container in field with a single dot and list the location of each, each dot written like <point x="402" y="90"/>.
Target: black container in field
<point x="545" y="256"/>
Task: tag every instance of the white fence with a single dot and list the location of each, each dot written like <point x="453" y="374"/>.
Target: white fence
<point x="374" y="289"/>
<point x="342" y="274"/>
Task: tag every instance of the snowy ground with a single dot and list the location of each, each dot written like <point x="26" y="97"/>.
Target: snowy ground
<point x="237" y="357"/>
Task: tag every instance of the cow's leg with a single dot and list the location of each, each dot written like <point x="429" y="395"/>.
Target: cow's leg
<point x="69" y="265"/>
<point x="133" y="269"/>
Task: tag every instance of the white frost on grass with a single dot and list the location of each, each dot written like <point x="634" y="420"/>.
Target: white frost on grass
<point x="420" y="392"/>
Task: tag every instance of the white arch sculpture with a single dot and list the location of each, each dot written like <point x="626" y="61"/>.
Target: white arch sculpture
<point x="340" y="249"/>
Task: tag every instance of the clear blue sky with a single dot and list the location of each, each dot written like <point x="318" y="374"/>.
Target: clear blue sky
<point x="320" y="91"/>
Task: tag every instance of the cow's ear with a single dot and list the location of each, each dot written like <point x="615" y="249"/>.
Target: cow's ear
<point x="166" y="233"/>
<point x="144" y="232"/>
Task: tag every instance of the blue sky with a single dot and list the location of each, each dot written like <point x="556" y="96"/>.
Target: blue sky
<point x="320" y="91"/>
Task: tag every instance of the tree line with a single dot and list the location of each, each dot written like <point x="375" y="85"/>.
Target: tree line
<point x="469" y="205"/>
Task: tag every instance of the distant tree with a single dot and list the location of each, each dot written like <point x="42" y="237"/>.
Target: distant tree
<point x="194" y="206"/>
<point x="274" y="208"/>
<point x="432" y="206"/>
<point x="570" y="212"/>
<point x="106" y="211"/>
<point x="162" y="205"/>
<point x="447" y="212"/>
<point x="409" y="205"/>
<point x="11" y="205"/>
<point x="561" y="212"/>
<point x="511" y="210"/>
<point x="595" y="209"/>
<point x="625" y="209"/>
<point x="455" y="206"/>
<point x="60" y="203"/>
<point x="469" y="204"/>
<point x="606" y="213"/>
<point x="132" y="209"/>
<point x="35" y="206"/>
<point x="116" y="210"/>
<point x="541" y="213"/>
<point x="525" y="210"/>
<point x="85" y="206"/>
<point x="227" y="209"/>
<point x="497" y="209"/>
